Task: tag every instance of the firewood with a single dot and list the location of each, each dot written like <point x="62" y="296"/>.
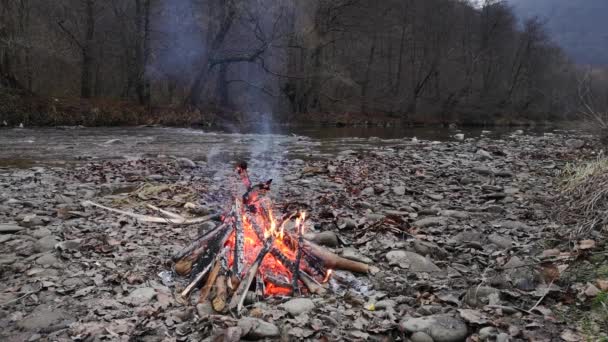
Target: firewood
<point x="201" y="241"/>
<point x="238" y="298"/>
<point x="331" y="260"/>
<point x="210" y="281"/>
<point x="312" y="285"/>
<point x="219" y="301"/>
<point x="239" y="240"/>
<point x="183" y="267"/>
<point x="197" y="280"/>
<point x="171" y="217"/>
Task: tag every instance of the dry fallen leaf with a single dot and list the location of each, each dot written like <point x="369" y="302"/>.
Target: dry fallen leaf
<point x="586" y="244"/>
<point x="602" y="284"/>
<point x="570" y="336"/>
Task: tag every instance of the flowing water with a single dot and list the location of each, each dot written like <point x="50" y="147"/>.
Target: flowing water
<point x="60" y="146"/>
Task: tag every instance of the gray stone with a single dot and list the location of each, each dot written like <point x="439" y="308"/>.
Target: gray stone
<point x="429" y="248"/>
<point x="524" y="277"/>
<point x="7" y="259"/>
<point x="70" y="245"/>
<point x="515" y="225"/>
<point x="45" y="319"/>
<point x="440" y="328"/>
<point x="479" y="296"/>
<point x="484" y="155"/>
<point x="41" y="232"/>
<point x="47" y="259"/>
<point x="186" y="163"/>
<point x="298" y="306"/>
<point x="8" y="228"/>
<point x="353" y="254"/>
<point x="487" y="333"/>
<point x="502" y="337"/>
<point x="399" y="190"/>
<point x="254" y="328"/>
<point x="421" y="337"/>
<point x="30" y="221"/>
<point x="347" y="223"/>
<point x="466" y="236"/>
<point x="455" y="214"/>
<point x="501" y="241"/>
<point x="205" y="309"/>
<point x="411" y="261"/>
<point x="436" y="197"/>
<point x="431" y="222"/>
<point x="575" y="143"/>
<point x="141" y="296"/>
<point x="46" y="244"/>
<point x="329" y="239"/>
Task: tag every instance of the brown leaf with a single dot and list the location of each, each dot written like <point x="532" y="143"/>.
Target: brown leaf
<point x="586" y="244"/>
<point x="602" y="284"/>
<point x="570" y="336"/>
<point x="550" y="272"/>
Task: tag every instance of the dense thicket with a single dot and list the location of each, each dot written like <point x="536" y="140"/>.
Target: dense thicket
<point x="433" y="59"/>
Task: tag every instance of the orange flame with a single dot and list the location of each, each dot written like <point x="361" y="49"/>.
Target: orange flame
<point x="327" y="276"/>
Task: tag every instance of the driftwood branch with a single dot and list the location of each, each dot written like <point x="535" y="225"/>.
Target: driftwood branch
<point x="172" y="218"/>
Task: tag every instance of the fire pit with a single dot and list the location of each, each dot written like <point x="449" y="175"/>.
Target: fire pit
<point x="253" y="252"/>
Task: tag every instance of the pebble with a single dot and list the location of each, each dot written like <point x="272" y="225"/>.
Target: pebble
<point x="411" y="261"/>
<point x="421" y="337"/>
<point x="47" y="259"/>
<point x="10" y="228"/>
<point x="255" y="328"/>
<point x="440" y="328"/>
<point x="46" y="243"/>
<point x="141" y="296"/>
<point x="431" y="222"/>
<point x="46" y="319"/>
<point x="298" y="306"/>
<point x="399" y="190"/>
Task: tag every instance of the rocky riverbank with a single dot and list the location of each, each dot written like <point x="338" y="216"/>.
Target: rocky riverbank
<point x="461" y="236"/>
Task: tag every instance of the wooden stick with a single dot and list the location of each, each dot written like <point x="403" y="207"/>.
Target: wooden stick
<point x="295" y="272"/>
<point x="239" y="240"/>
<point x="331" y="260"/>
<point x="312" y="285"/>
<point x="238" y="298"/>
<point x="215" y="271"/>
<point x="153" y="219"/>
<point x="219" y="301"/>
<point x="195" y="282"/>
<point x="199" y="242"/>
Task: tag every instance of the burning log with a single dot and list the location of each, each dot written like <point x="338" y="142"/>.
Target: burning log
<point x="204" y="249"/>
<point x="201" y="240"/>
<point x="239" y="243"/>
<point x="295" y="274"/>
<point x="333" y="261"/>
<point x="241" y="292"/>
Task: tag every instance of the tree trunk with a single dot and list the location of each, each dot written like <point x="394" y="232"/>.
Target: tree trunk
<point x="366" y="80"/>
<point x="87" y="52"/>
<point x="142" y="14"/>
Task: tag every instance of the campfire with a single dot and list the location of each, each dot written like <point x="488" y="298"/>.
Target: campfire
<point x="252" y="251"/>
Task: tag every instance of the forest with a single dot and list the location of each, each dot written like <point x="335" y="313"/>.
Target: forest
<point x="408" y="61"/>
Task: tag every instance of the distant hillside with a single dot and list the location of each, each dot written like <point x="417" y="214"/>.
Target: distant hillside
<point x="580" y="27"/>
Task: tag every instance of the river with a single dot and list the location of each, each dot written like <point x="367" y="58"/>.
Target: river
<point x="61" y="146"/>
